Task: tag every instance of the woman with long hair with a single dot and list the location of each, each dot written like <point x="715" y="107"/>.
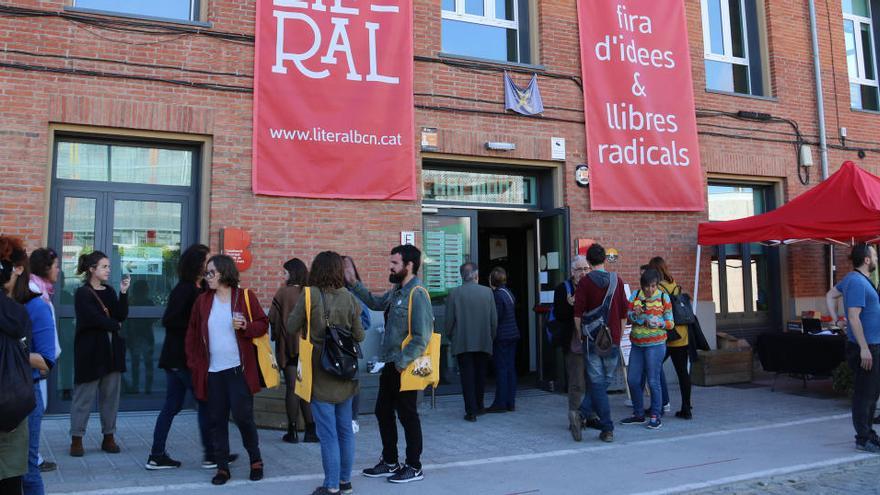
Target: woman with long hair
<point x="42" y="343"/>
<point x="45" y="267"/>
<point x="331" y="304"/>
<point x="676" y="349"/>
<point x="287" y="348"/>
<point x="18" y="454"/>
<point x="178" y="380"/>
<point x="98" y="351"/>
<point x="220" y="355"/>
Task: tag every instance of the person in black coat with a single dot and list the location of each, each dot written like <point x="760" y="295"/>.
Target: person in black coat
<point x="178" y="379"/>
<point x="98" y="351"/>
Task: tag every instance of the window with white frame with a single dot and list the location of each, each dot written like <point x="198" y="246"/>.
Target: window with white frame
<point x="860" y="54"/>
<point x="178" y="10"/>
<point x="734" y="46"/>
<point x="487" y="29"/>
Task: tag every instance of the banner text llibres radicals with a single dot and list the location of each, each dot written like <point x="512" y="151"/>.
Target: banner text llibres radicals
<point x="351" y="136"/>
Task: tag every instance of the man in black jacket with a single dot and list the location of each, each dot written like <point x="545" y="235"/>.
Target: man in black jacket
<point x="580" y="407"/>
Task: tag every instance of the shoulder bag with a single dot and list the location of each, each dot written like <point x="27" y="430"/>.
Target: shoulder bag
<point x="594" y="323"/>
<point x="425" y="369"/>
<point x="303" y="387"/>
<point x="341" y="352"/>
<point x="268" y="366"/>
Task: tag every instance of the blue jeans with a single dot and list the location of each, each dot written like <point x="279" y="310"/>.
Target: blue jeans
<point x="648" y="361"/>
<point x="177" y="383"/>
<point x="600" y="371"/>
<point x="504" y="358"/>
<point x="333" y="425"/>
<point x="664" y="388"/>
<point x="32" y="480"/>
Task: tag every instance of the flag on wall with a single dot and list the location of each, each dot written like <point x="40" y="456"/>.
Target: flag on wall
<point x="526" y="101"/>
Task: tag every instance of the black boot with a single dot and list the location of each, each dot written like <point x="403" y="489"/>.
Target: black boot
<point x="291" y="436"/>
<point x="310" y="436"/>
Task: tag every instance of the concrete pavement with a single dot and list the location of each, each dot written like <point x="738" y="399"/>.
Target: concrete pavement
<point x="738" y="434"/>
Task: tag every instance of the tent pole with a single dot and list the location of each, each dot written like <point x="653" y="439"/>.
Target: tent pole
<point x="696" y="278"/>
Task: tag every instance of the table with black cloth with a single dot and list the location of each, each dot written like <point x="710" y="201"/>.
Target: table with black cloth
<point x="801" y="354"/>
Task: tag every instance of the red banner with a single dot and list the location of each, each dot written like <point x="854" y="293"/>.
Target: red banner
<point x="639" y="104"/>
<point x="333" y="99"/>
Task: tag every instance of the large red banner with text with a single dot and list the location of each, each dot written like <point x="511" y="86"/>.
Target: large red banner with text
<point x="333" y="99"/>
<point x="639" y="103"/>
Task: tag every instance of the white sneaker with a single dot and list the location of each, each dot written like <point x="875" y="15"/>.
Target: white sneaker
<point x="667" y="407"/>
<point x="377" y="367"/>
<point x="355" y="427"/>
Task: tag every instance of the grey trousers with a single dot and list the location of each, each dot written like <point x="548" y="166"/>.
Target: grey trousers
<point x="106" y="389"/>
<point x="574" y="367"/>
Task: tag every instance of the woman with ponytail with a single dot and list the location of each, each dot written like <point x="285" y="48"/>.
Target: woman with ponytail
<point x="98" y="351"/>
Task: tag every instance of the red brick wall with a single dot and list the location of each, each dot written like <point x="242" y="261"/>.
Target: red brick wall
<point x="283" y="227"/>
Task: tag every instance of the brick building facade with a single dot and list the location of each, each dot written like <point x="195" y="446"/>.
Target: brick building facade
<point x="75" y="74"/>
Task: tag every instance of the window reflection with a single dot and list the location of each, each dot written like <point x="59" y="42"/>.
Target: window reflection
<point x="477" y="40"/>
<point x="171" y="9"/>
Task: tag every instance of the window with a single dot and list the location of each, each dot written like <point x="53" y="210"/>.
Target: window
<point x="742" y="281"/>
<point x="734" y="46"/>
<point x="488" y="29"/>
<point x="860" y="54"/>
<point x="480" y="188"/>
<point x="181" y="10"/>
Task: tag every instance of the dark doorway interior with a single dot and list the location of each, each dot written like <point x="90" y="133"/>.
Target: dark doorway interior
<point x="509" y="232"/>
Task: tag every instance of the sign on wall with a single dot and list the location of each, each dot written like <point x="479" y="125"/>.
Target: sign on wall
<point x="333" y="99"/>
<point x="236" y="244"/>
<point x="639" y="104"/>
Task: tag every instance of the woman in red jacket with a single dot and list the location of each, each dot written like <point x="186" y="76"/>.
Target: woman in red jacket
<point x="220" y="354"/>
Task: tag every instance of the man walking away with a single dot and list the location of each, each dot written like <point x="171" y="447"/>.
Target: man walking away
<point x="863" y="346"/>
<point x="404" y="266"/>
<point x="471" y="319"/>
<point x="590" y="294"/>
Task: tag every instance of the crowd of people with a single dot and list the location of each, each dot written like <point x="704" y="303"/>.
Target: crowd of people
<point x="211" y="324"/>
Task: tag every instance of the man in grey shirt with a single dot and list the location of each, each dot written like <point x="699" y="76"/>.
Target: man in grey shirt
<point x="471" y="322"/>
<point x="404" y="266"/>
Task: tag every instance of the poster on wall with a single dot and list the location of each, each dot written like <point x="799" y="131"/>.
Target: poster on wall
<point x="638" y="95"/>
<point x="333" y="99"/>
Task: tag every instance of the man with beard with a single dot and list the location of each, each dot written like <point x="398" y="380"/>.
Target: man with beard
<point x="401" y="319"/>
<point x="863" y="347"/>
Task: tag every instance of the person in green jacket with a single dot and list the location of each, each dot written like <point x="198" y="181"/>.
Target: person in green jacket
<point x="404" y="267"/>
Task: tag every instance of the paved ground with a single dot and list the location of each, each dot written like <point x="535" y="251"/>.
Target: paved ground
<point x="793" y="440"/>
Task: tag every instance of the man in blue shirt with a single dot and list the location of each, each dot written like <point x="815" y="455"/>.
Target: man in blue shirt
<point x="863" y="348"/>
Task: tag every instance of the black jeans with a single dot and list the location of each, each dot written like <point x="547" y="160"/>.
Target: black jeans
<point x="390" y="401"/>
<point x="177" y="383"/>
<point x="679" y="357"/>
<point x="473" y="366"/>
<point x="228" y="391"/>
<point x="866" y="391"/>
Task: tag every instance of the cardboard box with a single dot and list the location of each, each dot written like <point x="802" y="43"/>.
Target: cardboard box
<point x="723" y="366"/>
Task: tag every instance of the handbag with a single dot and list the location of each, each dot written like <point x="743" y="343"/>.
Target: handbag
<point x="267" y="365"/>
<point x="682" y="309"/>
<point x="303" y="386"/>
<point x="17" y="398"/>
<point x="594" y="323"/>
<point x="340" y="354"/>
<point x="423" y="370"/>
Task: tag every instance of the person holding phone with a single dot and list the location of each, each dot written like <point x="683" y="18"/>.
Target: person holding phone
<point x="98" y="351"/>
<point x="220" y="355"/>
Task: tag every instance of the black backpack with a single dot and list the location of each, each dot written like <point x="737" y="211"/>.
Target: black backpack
<point x="341" y="352"/>
<point x="682" y="307"/>
<point x="17" y="398"/>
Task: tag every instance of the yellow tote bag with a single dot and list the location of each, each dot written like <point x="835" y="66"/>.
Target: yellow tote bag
<point x="268" y="366"/>
<point x="303" y="387"/>
<point x="425" y="369"/>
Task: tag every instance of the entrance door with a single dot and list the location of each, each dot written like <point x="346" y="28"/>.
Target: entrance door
<point x="141" y="228"/>
<point x="449" y="241"/>
<point x="554" y="243"/>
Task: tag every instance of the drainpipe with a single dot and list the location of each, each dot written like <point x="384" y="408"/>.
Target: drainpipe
<point x="820" y="98"/>
<point x="820" y="103"/>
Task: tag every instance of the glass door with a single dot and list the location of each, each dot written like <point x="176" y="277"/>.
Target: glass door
<point x="554" y="244"/>
<point x="137" y="203"/>
<point x="449" y="241"/>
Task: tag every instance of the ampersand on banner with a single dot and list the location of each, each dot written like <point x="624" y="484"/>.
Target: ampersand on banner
<point x="637" y="88"/>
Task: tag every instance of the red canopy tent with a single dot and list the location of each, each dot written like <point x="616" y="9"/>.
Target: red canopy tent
<point x="843" y="209"/>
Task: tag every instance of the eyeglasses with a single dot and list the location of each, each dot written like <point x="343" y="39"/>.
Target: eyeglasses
<point x="582" y="269"/>
<point x="210" y="273"/>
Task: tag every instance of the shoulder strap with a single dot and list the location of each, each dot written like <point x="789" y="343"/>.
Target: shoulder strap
<point x="612" y="286"/>
<point x="247" y="303"/>
<point x="507" y="293"/>
<point x="569" y="287"/>
<point x="103" y="306"/>
<point x="308" y="304"/>
<point x="326" y="309"/>
<point x="409" y="306"/>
